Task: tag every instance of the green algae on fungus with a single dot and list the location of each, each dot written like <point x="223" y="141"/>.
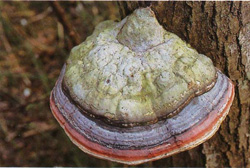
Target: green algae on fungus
<point x="135" y="72"/>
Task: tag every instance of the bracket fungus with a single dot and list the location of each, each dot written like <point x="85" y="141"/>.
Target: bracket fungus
<point x="133" y="92"/>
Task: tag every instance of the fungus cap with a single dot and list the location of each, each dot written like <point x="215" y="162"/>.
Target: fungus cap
<point x="133" y="92"/>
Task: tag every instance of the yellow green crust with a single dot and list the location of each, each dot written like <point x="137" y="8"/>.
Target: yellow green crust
<point x="135" y="71"/>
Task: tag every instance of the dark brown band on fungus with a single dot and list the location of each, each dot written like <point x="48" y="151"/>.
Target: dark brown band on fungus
<point x="121" y="123"/>
<point x="197" y="122"/>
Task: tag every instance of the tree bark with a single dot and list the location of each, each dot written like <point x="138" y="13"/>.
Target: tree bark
<point x="220" y="30"/>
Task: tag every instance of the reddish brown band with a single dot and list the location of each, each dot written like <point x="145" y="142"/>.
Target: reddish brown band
<point x="172" y="136"/>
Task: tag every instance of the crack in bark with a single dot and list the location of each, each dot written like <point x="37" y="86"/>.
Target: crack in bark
<point x="237" y="95"/>
<point x="214" y="25"/>
<point x="189" y="22"/>
<point x="174" y="5"/>
<point x="225" y="68"/>
<point x="240" y="65"/>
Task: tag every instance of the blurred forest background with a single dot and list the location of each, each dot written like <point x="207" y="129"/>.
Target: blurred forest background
<point x="35" y="41"/>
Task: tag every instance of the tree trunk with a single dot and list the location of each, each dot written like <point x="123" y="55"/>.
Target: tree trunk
<point x="220" y="30"/>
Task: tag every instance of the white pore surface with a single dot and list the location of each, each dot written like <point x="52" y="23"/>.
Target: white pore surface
<point x="134" y="70"/>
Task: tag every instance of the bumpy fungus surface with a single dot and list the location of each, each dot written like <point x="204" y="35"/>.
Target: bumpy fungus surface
<point x="134" y="72"/>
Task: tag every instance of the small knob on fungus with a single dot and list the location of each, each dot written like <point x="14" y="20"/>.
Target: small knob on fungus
<point x="133" y="92"/>
<point x="141" y="31"/>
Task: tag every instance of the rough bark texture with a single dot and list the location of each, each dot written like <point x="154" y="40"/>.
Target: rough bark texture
<point x="220" y="30"/>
